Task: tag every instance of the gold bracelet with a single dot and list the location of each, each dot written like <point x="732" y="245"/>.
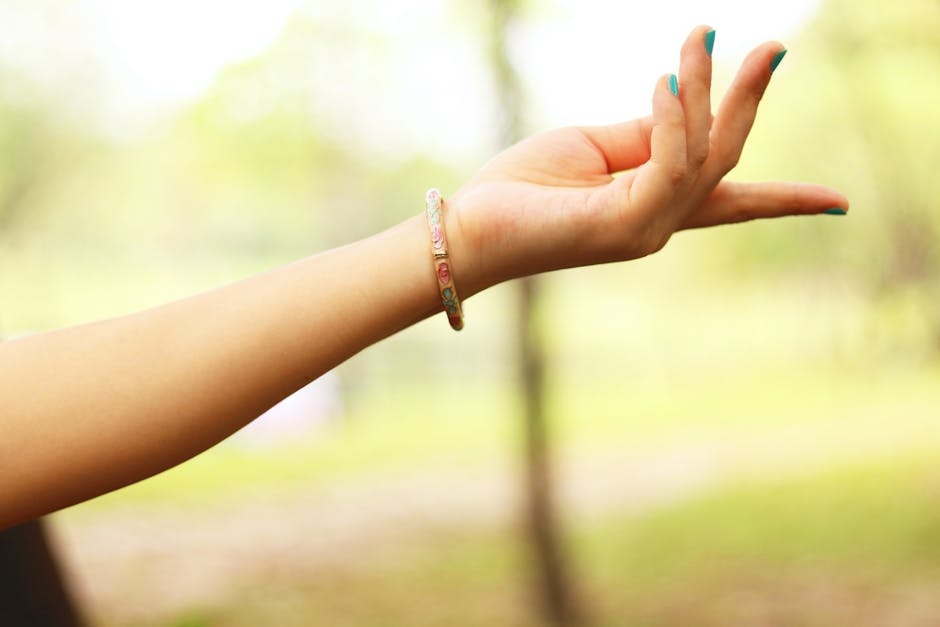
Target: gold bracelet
<point x="442" y="267"/>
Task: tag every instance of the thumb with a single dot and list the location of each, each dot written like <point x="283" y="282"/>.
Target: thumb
<point x="625" y="145"/>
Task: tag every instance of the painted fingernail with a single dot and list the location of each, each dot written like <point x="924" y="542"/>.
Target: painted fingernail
<point x="776" y="60"/>
<point x="835" y="211"/>
<point x="674" y="84"/>
<point x="709" y="42"/>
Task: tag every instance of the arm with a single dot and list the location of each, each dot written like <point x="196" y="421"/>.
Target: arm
<point x="91" y="408"/>
<point x="95" y="407"/>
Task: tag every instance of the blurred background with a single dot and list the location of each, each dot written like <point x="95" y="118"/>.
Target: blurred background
<point x="740" y="429"/>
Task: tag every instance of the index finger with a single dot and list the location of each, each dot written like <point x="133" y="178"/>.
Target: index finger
<point x="739" y="108"/>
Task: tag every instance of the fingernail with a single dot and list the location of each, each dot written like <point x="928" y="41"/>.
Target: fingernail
<point x="709" y="42"/>
<point x="673" y="84"/>
<point x="776" y="60"/>
<point x="835" y="211"/>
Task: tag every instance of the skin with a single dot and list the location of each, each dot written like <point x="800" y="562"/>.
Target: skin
<point x="91" y="408"/>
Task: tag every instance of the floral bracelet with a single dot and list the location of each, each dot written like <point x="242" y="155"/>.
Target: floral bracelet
<point x="442" y="267"/>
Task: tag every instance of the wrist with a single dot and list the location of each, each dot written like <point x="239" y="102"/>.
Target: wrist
<point x="470" y="270"/>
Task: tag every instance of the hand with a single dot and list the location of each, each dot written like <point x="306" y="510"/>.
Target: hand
<point x="551" y="201"/>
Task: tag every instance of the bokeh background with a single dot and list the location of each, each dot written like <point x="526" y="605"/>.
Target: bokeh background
<point x="740" y="429"/>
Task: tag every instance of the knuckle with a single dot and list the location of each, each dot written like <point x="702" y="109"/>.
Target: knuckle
<point x="741" y="215"/>
<point x="656" y="244"/>
<point x="747" y="94"/>
<point x="729" y="160"/>
<point x="698" y="156"/>
<point x="677" y="171"/>
<point x="650" y="241"/>
<point x="753" y="97"/>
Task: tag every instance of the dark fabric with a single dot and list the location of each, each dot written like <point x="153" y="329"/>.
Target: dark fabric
<point x="32" y="592"/>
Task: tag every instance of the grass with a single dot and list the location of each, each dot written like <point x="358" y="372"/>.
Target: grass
<point x="390" y="431"/>
<point x="884" y="516"/>
<point x="815" y="549"/>
<point x="846" y="547"/>
<point x="851" y="541"/>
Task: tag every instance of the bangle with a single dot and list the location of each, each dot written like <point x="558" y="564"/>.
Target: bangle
<point x="442" y="268"/>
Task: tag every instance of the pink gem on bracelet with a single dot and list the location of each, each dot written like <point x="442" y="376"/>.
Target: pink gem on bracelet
<point x="437" y="237"/>
<point x="444" y="273"/>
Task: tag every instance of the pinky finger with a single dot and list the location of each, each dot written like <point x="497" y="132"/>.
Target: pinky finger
<point x="739" y="202"/>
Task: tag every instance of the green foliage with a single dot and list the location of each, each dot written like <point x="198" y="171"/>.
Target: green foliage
<point x="32" y="146"/>
<point x="251" y="176"/>
<point x="856" y="107"/>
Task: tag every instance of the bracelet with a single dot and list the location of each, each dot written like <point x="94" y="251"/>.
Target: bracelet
<point x="442" y="269"/>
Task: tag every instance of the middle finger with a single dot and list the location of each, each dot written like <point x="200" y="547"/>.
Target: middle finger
<point x="695" y="78"/>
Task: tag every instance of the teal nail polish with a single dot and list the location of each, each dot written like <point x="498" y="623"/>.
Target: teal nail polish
<point x="835" y="211"/>
<point x="709" y="42"/>
<point x="776" y="60"/>
<point x="673" y="84"/>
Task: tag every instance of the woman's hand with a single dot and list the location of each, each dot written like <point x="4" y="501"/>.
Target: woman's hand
<point x="551" y="201"/>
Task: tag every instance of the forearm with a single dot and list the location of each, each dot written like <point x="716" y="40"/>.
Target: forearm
<point x="91" y="408"/>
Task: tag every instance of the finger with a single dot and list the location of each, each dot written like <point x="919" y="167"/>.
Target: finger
<point x="657" y="180"/>
<point x="739" y="107"/>
<point x="695" y="80"/>
<point x="624" y="145"/>
<point x="740" y="202"/>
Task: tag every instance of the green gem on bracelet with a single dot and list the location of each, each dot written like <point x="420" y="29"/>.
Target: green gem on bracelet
<point x="450" y="300"/>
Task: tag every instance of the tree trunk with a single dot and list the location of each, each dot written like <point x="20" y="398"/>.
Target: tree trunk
<point x="553" y="579"/>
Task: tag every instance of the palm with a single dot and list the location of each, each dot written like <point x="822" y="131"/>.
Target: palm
<point x="535" y="184"/>
<point x="563" y="157"/>
<point x="555" y="169"/>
